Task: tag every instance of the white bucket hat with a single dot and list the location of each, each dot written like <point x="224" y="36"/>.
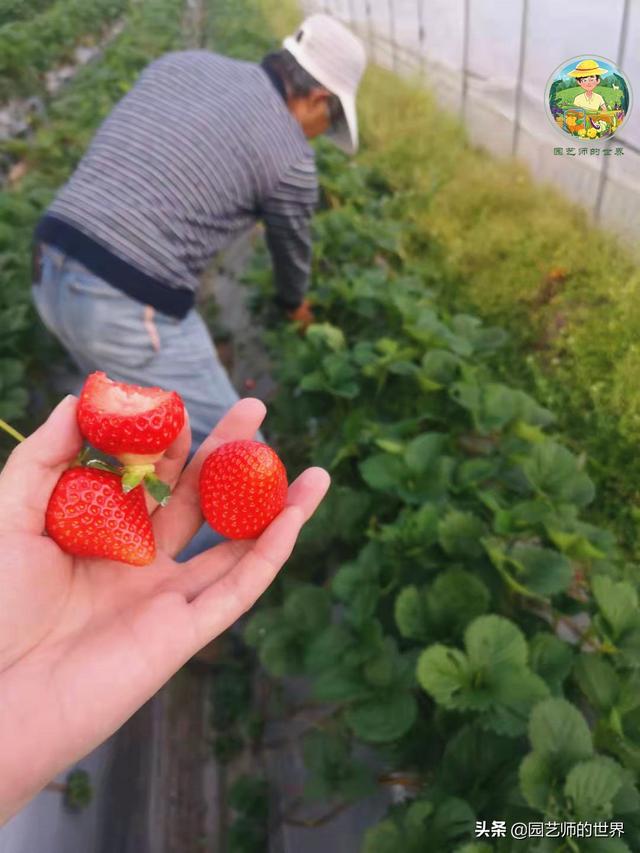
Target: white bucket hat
<point x="332" y="54"/>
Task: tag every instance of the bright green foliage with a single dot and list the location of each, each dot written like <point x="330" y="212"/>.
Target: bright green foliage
<point x="424" y="825"/>
<point x="29" y="48"/>
<point x="334" y="773"/>
<point x="25" y="353"/>
<point x="16" y="10"/>
<point x="439" y="648"/>
<point x="249" y="799"/>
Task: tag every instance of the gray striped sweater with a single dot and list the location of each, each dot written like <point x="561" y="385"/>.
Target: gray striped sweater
<point x="199" y="149"/>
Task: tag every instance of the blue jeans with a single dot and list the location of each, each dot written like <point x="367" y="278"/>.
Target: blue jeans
<point x="104" y="329"/>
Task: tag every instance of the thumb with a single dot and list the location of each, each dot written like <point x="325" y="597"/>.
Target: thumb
<point x="34" y="467"/>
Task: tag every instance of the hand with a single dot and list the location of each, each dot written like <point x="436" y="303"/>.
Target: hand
<point x="303" y="315"/>
<point x="84" y="643"/>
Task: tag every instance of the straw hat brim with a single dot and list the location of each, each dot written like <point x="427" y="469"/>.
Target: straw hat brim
<point x="587" y="72"/>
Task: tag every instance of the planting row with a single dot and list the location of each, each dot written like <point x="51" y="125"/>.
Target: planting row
<point x="152" y="28"/>
<point x="475" y="621"/>
<point x="28" y="48"/>
<point x="16" y="10"/>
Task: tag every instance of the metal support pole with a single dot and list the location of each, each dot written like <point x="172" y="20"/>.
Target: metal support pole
<point x="392" y="34"/>
<point x="521" y="61"/>
<point x="421" y="34"/>
<point x="465" y="57"/>
<point x="370" y="31"/>
<point x="604" y="172"/>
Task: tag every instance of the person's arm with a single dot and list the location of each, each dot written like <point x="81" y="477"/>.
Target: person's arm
<point x="287" y="216"/>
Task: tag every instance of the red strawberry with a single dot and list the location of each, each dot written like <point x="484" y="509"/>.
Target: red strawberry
<point x="243" y="487"/>
<point x="90" y="516"/>
<point x="129" y="421"/>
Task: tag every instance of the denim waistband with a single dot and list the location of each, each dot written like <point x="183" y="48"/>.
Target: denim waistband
<point x="102" y="262"/>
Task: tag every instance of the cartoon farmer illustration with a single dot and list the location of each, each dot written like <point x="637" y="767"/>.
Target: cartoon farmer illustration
<point x="588" y="74"/>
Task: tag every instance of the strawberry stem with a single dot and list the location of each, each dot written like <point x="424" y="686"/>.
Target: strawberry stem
<point x="158" y="490"/>
<point x="12" y="432"/>
<point x="133" y="475"/>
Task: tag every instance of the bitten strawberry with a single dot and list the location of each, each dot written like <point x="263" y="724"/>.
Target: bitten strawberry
<point x="243" y="487"/>
<point x="133" y="423"/>
<point x="89" y="515"/>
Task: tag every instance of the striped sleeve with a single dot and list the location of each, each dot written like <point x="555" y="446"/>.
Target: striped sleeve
<point x="287" y="215"/>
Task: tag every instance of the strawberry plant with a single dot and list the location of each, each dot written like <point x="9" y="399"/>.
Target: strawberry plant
<point x="16" y="10"/>
<point x="470" y="626"/>
<point x="25" y="352"/>
<point x="29" y="48"/>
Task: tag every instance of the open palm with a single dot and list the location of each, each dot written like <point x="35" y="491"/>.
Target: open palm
<point x="84" y="643"/>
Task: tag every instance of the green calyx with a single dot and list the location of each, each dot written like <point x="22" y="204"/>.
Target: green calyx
<point x="134" y="475"/>
<point x="131" y="475"/>
<point x="158" y="490"/>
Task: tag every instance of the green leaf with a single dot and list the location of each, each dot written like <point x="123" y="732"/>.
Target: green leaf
<point x="493" y="640"/>
<point x="355" y="584"/>
<point x="553" y="470"/>
<point x="455" y="598"/>
<point x="536" y="780"/>
<point x="453" y="819"/>
<point x="325" y="335"/>
<point x="422" y="454"/>
<point x="574" y="544"/>
<point x="339" y="683"/>
<point x="280" y="651"/>
<point x="260" y="624"/>
<point x="617" y="601"/>
<point x="598" y="681"/>
<point x="541" y="569"/>
<point x="558" y="731"/>
<point x="515" y="690"/>
<point x="551" y="659"/>
<point x="474" y="472"/>
<point x="332" y="769"/>
<point x="410" y="613"/>
<point x="383" y="471"/>
<point x="308" y="608"/>
<point x="327" y="648"/>
<point x="592" y="785"/>
<point x="444" y="673"/>
<point x="478" y="764"/>
<point x="440" y="366"/>
<point x="383" y="718"/>
<point x="460" y="534"/>
<point x="390" y="446"/>
<point x="384" y="837"/>
<point x="379" y="671"/>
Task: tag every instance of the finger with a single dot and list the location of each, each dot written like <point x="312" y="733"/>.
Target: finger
<point x="177" y="523"/>
<point x="206" y="568"/>
<point x="169" y="468"/>
<point x="202" y="570"/>
<point x="34" y="468"/>
<point x="223" y="602"/>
